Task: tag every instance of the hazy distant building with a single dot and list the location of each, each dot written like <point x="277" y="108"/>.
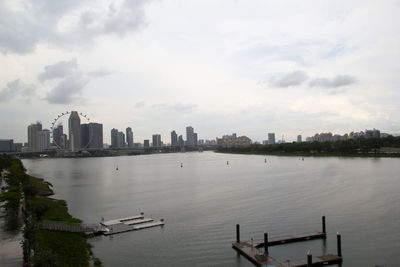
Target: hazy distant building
<point x="156" y="140"/>
<point x="120" y="139"/>
<point x="233" y="141"/>
<point x="57" y="133"/>
<point x="84" y="135"/>
<point x="372" y="133"/>
<point x="43" y="140"/>
<point x="129" y="137"/>
<point x="6" y="145"/>
<point x="174" y="139"/>
<point x="95" y="135"/>
<point x="195" y="141"/>
<point x="64" y="141"/>
<point x="114" y="137"/>
<point x="74" y="125"/>
<point x="190" y="136"/>
<point x="271" y="138"/>
<point x="299" y="139"/>
<point x="146" y="143"/>
<point x="181" y="142"/>
<point x="33" y="130"/>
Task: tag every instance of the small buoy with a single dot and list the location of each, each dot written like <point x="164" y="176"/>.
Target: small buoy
<point x="227" y="162"/>
<point x="181" y="165"/>
<point x="117" y="168"/>
<point x="265" y="160"/>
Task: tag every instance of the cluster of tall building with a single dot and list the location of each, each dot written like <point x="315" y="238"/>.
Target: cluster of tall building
<point x="329" y="137"/>
<point x="80" y="136"/>
<point x="233" y="141"/>
<point x="119" y="139"/>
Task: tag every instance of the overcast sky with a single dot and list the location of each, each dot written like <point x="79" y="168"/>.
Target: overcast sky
<point x="226" y="66"/>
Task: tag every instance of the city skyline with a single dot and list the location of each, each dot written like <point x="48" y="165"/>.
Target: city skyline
<point x="287" y="67"/>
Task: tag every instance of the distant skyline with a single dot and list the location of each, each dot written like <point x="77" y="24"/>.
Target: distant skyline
<point x="288" y="67"/>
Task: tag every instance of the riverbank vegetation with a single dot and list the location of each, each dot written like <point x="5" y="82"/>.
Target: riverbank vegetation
<point x="371" y="147"/>
<point x="29" y="196"/>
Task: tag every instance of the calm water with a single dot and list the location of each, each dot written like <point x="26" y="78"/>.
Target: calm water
<point x="203" y="201"/>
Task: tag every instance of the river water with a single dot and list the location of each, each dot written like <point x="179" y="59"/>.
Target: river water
<point x="204" y="200"/>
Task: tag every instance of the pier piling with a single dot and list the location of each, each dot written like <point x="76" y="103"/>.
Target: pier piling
<point x="339" y="244"/>
<point x="266" y="243"/>
<point x="309" y="259"/>
<point x="323" y="225"/>
<point x="237" y="233"/>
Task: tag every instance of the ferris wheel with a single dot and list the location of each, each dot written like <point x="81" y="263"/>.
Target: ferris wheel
<point x="58" y="121"/>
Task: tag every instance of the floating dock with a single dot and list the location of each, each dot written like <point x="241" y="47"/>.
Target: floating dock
<point x="129" y="224"/>
<point x="250" y="249"/>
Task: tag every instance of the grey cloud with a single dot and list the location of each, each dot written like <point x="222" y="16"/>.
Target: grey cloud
<point x="21" y="30"/>
<point x="100" y="73"/>
<point x="290" y="79"/>
<point x="69" y="90"/>
<point x="338" y="81"/>
<point x="17" y="88"/>
<point x="59" y="70"/>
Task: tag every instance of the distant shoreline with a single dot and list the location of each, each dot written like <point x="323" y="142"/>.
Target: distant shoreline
<point x="298" y="154"/>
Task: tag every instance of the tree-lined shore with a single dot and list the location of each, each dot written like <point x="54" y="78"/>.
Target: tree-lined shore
<point x="28" y="197"/>
<point x="362" y="147"/>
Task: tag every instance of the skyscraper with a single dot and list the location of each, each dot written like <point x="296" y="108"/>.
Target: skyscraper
<point x="57" y="133"/>
<point x="174" y="139"/>
<point x="271" y="138"/>
<point x="96" y="135"/>
<point x="146" y="143"/>
<point x="181" y="142"/>
<point x="43" y="140"/>
<point x="33" y="130"/>
<point x="190" y="136"/>
<point x="299" y="139"/>
<point x="114" y="137"/>
<point x="156" y="140"/>
<point x="84" y="135"/>
<point x="129" y="137"/>
<point x="120" y="139"/>
<point x="74" y="125"/>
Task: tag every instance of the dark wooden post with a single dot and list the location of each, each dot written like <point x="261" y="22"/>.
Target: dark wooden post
<point x="266" y="243"/>
<point x="237" y="233"/>
<point x="309" y="259"/>
<point x="339" y="244"/>
<point x="323" y="225"/>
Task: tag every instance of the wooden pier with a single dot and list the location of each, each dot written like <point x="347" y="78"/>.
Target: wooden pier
<point x="250" y="249"/>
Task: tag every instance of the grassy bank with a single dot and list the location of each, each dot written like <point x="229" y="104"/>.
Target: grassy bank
<point x="50" y="248"/>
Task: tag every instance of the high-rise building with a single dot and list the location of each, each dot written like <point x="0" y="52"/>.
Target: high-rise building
<point x="33" y="130"/>
<point x="195" y="139"/>
<point x="74" y="125"/>
<point x="191" y="136"/>
<point x="156" y="140"/>
<point x="57" y="133"/>
<point x="129" y="137"/>
<point x="7" y="145"/>
<point x="85" y="135"/>
<point x="96" y="135"/>
<point x="271" y="138"/>
<point x="121" y="139"/>
<point x="299" y="140"/>
<point x="181" y="142"/>
<point x="146" y="143"/>
<point x="174" y="139"/>
<point x="114" y="137"/>
<point x="43" y="139"/>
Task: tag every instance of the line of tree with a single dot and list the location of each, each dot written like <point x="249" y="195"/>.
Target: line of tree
<point x="343" y="147"/>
